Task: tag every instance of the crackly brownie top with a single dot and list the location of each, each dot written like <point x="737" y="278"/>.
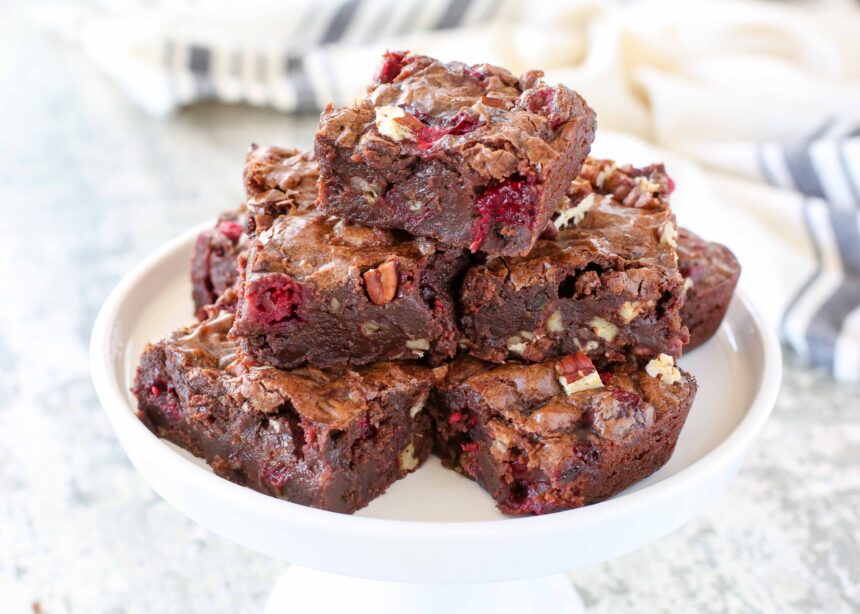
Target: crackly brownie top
<point x="498" y="124"/>
<point x="616" y="215"/>
<point x="703" y="263"/>
<point x="566" y="397"/>
<point x="278" y="181"/>
<point x="316" y="249"/>
<point x="333" y="397"/>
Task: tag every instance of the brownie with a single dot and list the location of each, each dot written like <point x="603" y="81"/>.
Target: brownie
<point x="328" y="439"/>
<point x="606" y="283"/>
<point x="325" y="292"/>
<point x="277" y="182"/>
<point x="551" y="436"/>
<point x="472" y="156"/>
<point x="711" y="273"/>
<point x="214" y="263"/>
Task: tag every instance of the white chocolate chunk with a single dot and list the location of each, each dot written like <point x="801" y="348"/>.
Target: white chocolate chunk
<point x="589" y="382"/>
<point x="419" y="405"/>
<point x="370" y="190"/>
<point x="669" y="235"/>
<point x="387" y="125"/>
<point x="418" y="344"/>
<point x="630" y="311"/>
<point x="408" y="462"/>
<point x="516" y="345"/>
<point x="603" y="329"/>
<point x="664" y="367"/>
<point x="555" y="324"/>
<point x="688" y="283"/>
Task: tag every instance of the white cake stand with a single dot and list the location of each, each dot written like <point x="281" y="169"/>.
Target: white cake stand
<point x="434" y="542"/>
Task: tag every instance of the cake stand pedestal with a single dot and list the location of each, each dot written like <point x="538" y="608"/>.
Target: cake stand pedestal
<point x="305" y="590"/>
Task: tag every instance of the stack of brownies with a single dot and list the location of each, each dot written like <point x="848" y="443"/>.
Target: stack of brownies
<point x="447" y="272"/>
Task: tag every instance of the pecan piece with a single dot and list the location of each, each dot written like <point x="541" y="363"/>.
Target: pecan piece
<point x="381" y="282"/>
<point x="576" y="373"/>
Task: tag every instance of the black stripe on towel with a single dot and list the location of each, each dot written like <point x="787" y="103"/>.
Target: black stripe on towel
<point x="852" y="175"/>
<point x="816" y="250"/>
<point x="762" y="164"/>
<point x="199" y="60"/>
<point x="340" y="21"/>
<point x="297" y="76"/>
<point x="453" y="14"/>
<point x="799" y="162"/>
<point x="200" y="65"/>
<point x="827" y="323"/>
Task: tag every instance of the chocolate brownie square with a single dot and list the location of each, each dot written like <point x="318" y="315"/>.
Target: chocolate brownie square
<point x="214" y="263"/>
<point x="317" y="290"/>
<point x="551" y="436"/>
<point x="277" y="182"/>
<point x="472" y="156"/>
<point x="328" y="439"/>
<point x="607" y="284"/>
<point x="711" y="273"/>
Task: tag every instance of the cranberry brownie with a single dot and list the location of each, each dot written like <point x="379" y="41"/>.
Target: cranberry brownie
<point x="214" y="263"/>
<point x="606" y="282"/>
<point x="321" y="291"/>
<point x="472" y="156"/>
<point x="551" y="436"/>
<point x="711" y="273"/>
<point x="328" y="439"/>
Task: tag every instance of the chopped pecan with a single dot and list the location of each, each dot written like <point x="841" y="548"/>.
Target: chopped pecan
<point x="381" y="282"/>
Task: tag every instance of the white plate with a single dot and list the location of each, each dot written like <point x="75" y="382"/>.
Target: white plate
<point x="436" y="526"/>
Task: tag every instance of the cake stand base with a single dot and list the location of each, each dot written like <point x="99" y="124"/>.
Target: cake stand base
<point x="302" y="589"/>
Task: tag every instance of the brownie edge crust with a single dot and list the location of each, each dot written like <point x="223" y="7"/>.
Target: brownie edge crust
<point x="332" y="439"/>
<point x="552" y="436"/>
<point x="472" y="156"/>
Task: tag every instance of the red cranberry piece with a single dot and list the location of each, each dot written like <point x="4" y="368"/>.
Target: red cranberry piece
<point x="605" y="377"/>
<point x="231" y="230"/>
<point x="469" y="446"/>
<point x="155" y="391"/>
<point x="169" y="403"/>
<point x="455" y="418"/>
<point x="476" y="74"/>
<point x="543" y="102"/>
<point x="428" y="135"/>
<point x="274" y="299"/>
<point x="513" y="201"/>
<point x="310" y="435"/>
<point x="366" y="429"/>
<point x="276" y="475"/>
<point x="472" y="422"/>
<point x="463" y="123"/>
<point x="631" y="399"/>
<point x="392" y="64"/>
<point x="671" y="184"/>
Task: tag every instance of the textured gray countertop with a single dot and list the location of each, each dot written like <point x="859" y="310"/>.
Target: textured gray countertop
<point x="89" y="185"/>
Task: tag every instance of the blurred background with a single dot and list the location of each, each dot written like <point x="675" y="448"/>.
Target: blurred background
<point x="125" y="123"/>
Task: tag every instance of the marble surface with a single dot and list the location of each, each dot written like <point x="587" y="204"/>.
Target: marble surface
<point x="88" y="186"/>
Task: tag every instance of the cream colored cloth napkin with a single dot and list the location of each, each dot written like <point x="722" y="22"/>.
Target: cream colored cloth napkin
<point x="764" y="96"/>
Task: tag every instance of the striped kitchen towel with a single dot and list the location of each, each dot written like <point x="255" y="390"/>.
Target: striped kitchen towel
<point x="764" y="96"/>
